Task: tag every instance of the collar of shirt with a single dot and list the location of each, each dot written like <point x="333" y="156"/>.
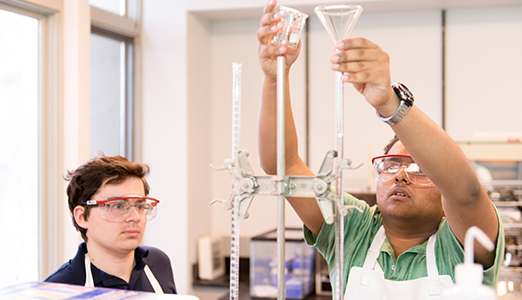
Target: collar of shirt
<point x="103" y="279"/>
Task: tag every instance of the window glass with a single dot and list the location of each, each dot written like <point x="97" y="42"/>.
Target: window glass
<point x="114" y="6"/>
<point x="19" y="150"/>
<point x="108" y="99"/>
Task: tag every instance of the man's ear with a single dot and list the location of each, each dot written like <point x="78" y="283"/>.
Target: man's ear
<point x="79" y="216"/>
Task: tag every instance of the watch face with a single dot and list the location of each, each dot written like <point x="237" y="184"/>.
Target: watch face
<point x="403" y="93"/>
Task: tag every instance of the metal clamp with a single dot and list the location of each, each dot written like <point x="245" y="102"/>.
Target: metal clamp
<point x="247" y="185"/>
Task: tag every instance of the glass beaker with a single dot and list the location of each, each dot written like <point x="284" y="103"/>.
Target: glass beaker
<point x="291" y="27"/>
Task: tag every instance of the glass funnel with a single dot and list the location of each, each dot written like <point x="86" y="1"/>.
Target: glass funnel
<point x="338" y="19"/>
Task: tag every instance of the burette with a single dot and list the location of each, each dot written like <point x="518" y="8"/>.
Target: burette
<point x="236" y="134"/>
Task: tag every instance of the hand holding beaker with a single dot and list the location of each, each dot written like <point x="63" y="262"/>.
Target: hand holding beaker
<point x="279" y="34"/>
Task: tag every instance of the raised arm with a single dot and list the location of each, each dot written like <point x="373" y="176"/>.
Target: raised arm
<point x="464" y="199"/>
<point x="306" y="208"/>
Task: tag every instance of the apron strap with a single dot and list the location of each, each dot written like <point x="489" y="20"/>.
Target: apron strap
<point x="434" y="286"/>
<point x="89" y="282"/>
<point x="155" y="284"/>
<point x="371" y="257"/>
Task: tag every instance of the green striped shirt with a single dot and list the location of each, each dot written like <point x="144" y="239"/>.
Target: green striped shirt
<point x="361" y="228"/>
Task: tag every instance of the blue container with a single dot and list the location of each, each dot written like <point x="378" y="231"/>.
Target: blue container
<point x="299" y="265"/>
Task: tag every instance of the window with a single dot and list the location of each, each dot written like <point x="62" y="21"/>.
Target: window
<point x="36" y="145"/>
<point x="113" y="28"/>
<point x="20" y="150"/>
<point x="110" y="94"/>
<point x="118" y="7"/>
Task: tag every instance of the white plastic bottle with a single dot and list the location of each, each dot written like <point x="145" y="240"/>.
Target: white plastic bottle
<point x="468" y="275"/>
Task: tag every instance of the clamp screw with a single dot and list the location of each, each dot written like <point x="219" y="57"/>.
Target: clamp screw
<point x="319" y="186"/>
<point x="247" y="185"/>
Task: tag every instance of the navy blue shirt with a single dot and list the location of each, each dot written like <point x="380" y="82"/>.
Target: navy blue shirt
<point x="73" y="272"/>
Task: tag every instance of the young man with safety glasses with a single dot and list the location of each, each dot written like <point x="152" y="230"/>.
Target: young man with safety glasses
<point x="428" y="195"/>
<point x="110" y="208"/>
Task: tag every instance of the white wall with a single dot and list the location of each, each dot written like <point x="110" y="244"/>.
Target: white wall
<point x="484" y="93"/>
<point x="199" y="133"/>
<point x="165" y="129"/>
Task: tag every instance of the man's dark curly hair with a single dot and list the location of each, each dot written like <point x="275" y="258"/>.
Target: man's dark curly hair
<point x="87" y="179"/>
<point x="392" y="142"/>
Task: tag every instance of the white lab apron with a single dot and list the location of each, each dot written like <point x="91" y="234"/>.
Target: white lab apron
<point x="89" y="282"/>
<point x="369" y="283"/>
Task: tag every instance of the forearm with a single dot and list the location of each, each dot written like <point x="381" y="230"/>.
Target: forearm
<point x="306" y="208"/>
<point x="464" y="199"/>
<point x="438" y="155"/>
<point x="267" y="129"/>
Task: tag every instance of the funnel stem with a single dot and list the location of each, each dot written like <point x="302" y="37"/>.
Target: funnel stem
<point x="339" y="248"/>
<point x="339" y="224"/>
<point x="339" y="115"/>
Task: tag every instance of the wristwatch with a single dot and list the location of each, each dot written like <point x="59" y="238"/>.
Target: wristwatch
<point x="406" y="98"/>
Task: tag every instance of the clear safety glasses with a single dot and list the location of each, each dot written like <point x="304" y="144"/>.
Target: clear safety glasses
<point x="117" y="209"/>
<point x="386" y="167"/>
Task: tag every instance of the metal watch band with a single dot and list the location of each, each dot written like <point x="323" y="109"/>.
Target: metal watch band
<point x="397" y="116"/>
<point x="406" y="103"/>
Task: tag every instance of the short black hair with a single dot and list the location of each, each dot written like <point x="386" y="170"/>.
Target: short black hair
<point x="390" y="144"/>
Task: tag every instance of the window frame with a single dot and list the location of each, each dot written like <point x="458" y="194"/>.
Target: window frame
<point x="126" y="122"/>
<point x="126" y="29"/>
<point x="55" y="155"/>
<point x="50" y="202"/>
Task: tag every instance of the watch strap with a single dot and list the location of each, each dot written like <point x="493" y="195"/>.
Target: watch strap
<point x="397" y="116"/>
<point x="406" y="102"/>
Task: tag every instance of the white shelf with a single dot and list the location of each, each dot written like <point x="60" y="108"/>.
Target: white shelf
<point x="507" y="203"/>
<point x="512" y="225"/>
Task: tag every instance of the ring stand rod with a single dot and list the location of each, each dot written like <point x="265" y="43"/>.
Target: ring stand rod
<point x="280" y="182"/>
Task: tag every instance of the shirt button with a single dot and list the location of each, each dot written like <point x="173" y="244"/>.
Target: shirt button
<point x="393" y="267"/>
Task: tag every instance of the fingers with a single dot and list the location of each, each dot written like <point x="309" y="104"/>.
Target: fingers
<point x="269" y="22"/>
<point x="355" y="55"/>
<point x="356" y="50"/>
<point x="266" y="51"/>
<point x="371" y="74"/>
<point x="355" y="43"/>
<point x="270" y="16"/>
<point x="270" y="6"/>
<point x="265" y="33"/>
<point x="375" y="72"/>
<point x="360" y="60"/>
